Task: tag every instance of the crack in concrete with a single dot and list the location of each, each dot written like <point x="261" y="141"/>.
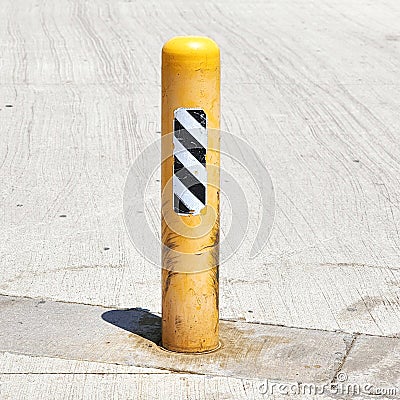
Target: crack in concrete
<point x="344" y="358"/>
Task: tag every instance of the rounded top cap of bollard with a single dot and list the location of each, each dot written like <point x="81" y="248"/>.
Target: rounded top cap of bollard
<point x="191" y="47"/>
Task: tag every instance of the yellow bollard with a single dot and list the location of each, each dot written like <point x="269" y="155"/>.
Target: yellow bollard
<point x="190" y="231"/>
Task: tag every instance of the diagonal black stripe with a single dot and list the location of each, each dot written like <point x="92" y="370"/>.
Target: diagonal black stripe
<point x="199" y="116"/>
<point x="191" y="183"/>
<point x="189" y="142"/>
<point x="187" y="139"/>
<point x="177" y="164"/>
<point x="179" y="206"/>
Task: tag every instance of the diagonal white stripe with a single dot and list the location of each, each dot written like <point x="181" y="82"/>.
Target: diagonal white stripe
<point x="190" y="163"/>
<point x="191" y="201"/>
<point x="192" y="126"/>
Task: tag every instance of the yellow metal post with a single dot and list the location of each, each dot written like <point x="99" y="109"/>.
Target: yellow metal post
<point x="190" y="254"/>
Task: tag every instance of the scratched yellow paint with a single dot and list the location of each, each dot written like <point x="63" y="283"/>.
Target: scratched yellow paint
<point x="190" y="255"/>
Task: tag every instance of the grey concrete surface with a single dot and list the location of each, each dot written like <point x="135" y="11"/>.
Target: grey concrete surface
<point x="376" y="362"/>
<point x="40" y="337"/>
<point x="314" y="86"/>
<point x="61" y="379"/>
<point x="131" y="337"/>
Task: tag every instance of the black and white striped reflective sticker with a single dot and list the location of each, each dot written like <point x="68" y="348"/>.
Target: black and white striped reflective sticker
<point x="190" y="148"/>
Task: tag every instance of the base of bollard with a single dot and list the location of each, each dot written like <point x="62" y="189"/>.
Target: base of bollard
<point x="190" y="352"/>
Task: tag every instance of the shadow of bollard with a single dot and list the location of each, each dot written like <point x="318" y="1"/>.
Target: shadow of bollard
<point x="138" y="321"/>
